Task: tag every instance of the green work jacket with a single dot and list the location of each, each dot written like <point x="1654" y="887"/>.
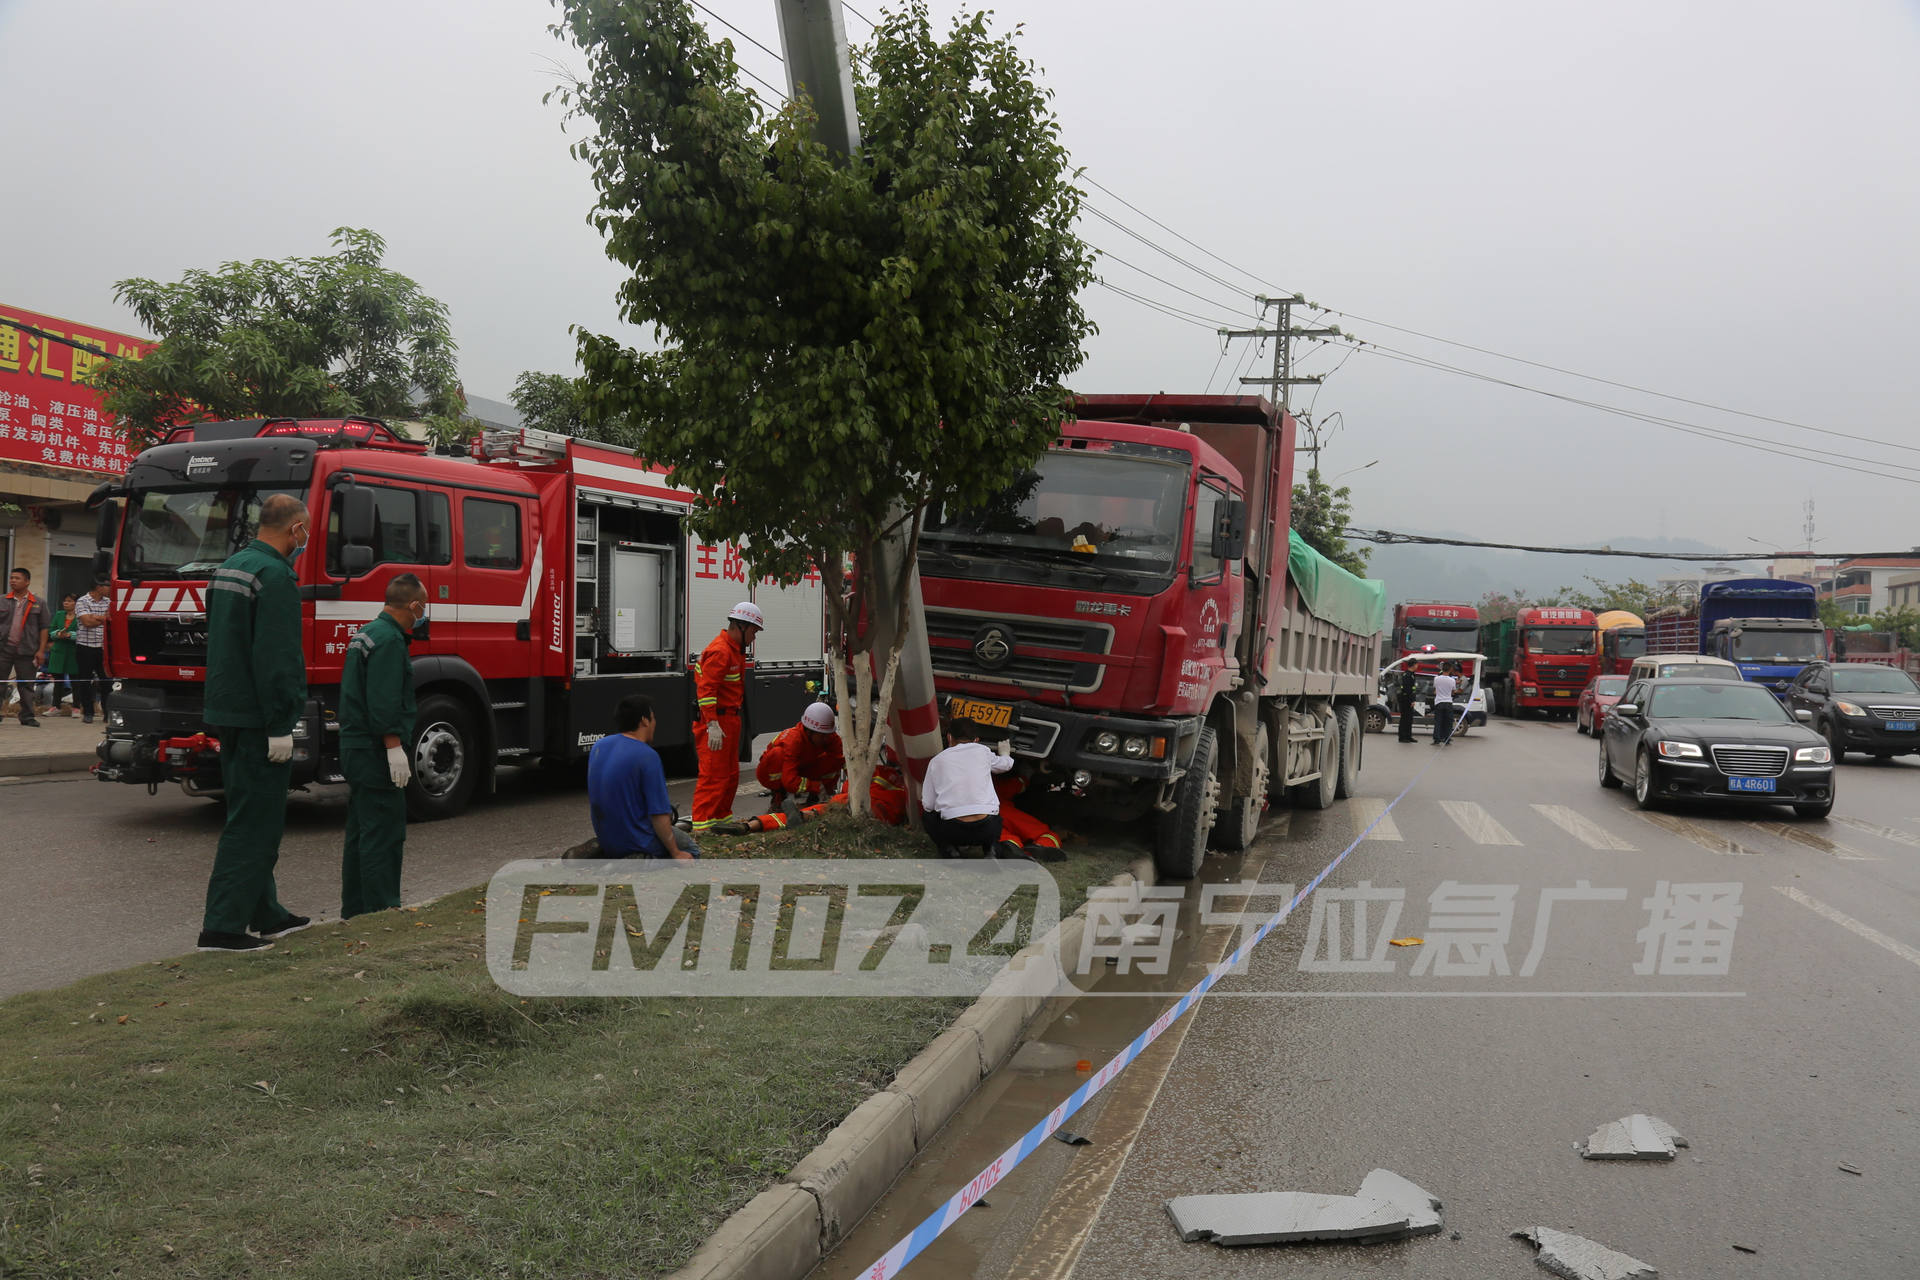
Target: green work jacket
<point x="376" y="686"/>
<point x="256" y="669"/>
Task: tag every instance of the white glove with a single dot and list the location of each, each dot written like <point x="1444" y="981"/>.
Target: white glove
<point x="1004" y="747"/>
<point x="280" y="750"/>
<point x="716" y="737"/>
<point x="397" y="768"/>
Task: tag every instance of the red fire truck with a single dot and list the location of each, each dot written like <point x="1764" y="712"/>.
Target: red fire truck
<point x="560" y="578"/>
<point x="1445" y="626"/>
<point x="1137" y="614"/>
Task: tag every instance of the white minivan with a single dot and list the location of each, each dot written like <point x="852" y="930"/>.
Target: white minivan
<point x="1689" y="666"/>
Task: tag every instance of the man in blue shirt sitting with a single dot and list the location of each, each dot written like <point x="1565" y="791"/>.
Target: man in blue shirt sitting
<point x="627" y="790"/>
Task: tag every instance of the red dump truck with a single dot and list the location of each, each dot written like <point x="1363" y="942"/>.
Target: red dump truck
<point x="1138" y="614"/>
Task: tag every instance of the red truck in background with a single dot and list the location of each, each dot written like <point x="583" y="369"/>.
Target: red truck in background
<point x="1540" y="660"/>
<point x="559" y="574"/>
<point x="1623" y="637"/>
<point x="1129" y="612"/>
<point x="1445" y="626"/>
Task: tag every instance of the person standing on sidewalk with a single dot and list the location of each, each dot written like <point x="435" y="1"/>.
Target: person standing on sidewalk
<point x="90" y="648"/>
<point x="719" y="683"/>
<point x="376" y="726"/>
<point x="25" y="627"/>
<point x="256" y="691"/>
<point x="1443" y="708"/>
<point x="60" y="662"/>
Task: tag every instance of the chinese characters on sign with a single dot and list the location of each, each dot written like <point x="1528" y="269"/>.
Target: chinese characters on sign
<point x="48" y="415"/>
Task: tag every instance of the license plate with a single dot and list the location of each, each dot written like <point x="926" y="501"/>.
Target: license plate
<point x="1563" y="693"/>
<point x="1750" y="784"/>
<point x="1903" y="726"/>
<point x="990" y="715"/>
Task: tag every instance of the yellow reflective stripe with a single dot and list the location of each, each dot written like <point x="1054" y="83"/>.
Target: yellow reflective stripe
<point x="731" y="676"/>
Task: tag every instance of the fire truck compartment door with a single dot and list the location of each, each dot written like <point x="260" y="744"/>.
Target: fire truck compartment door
<point x="640" y="597"/>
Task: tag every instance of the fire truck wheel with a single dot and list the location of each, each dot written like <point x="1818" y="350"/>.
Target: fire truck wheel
<point x="1350" y="748"/>
<point x="1180" y="842"/>
<point x="1318" y="794"/>
<point x="1239" y="819"/>
<point x="446" y="759"/>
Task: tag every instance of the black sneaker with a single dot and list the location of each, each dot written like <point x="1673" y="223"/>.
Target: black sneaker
<point x="212" y="940"/>
<point x="292" y="924"/>
<point x="29" y="724"/>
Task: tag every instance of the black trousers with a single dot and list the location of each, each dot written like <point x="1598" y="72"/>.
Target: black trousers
<point x="1405" y="710"/>
<point x="25" y="674"/>
<point x="90" y="679"/>
<point x="1443" y="721"/>
<point x="951" y="833"/>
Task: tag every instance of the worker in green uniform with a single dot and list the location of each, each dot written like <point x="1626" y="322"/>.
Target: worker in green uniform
<point x="256" y="692"/>
<point x="376" y="726"/>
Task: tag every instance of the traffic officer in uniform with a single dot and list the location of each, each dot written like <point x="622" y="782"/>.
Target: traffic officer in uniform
<point x="376" y="726"/>
<point x="1405" y="683"/>
<point x="802" y="766"/>
<point x="256" y="691"/>
<point x="719" y="683"/>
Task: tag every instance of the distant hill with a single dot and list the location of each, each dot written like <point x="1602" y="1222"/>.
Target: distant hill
<point x="1414" y="572"/>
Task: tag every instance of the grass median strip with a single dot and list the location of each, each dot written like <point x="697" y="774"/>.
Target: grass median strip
<point x="364" y="1101"/>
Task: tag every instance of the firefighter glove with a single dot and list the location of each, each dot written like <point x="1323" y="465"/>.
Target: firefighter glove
<point x="397" y="767"/>
<point x="280" y="749"/>
<point x="716" y="737"/>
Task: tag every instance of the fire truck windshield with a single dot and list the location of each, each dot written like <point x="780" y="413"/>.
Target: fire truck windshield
<point x="1442" y="633"/>
<point x="1102" y="510"/>
<point x="1564" y="640"/>
<point x="186" y="533"/>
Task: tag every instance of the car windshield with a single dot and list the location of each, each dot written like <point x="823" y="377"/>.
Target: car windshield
<point x="1609" y="686"/>
<point x="187" y="533"/>
<point x="1443" y="634"/>
<point x="1567" y="640"/>
<point x="1630" y="646"/>
<point x="1718" y="702"/>
<point x="1109" y="510"/>
<point x="1872" y="680"/>
<point x="1752" y="643"/>
<point x="1699" y="671"/>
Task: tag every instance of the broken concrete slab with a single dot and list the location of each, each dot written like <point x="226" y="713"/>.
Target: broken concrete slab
<point x="1421" y="1207"/>
<point x="1578" y="1258"/>
<point x="1634" y="1137"/>
<point x="1284" y="1217"/>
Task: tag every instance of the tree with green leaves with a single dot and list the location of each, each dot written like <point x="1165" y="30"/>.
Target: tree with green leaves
<point x="1499" y="606"/>
<point x="552" y="402"/>
<point x="1320" y="516"/>
<point x="845" y="342"/>
<point x="1632" y="595"/>
<point x="325" y="337"/>
<point x="1903" y="624"/>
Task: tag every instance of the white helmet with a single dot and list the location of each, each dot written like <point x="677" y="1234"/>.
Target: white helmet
<point x="818" y="717"/>
<point x="748" y="612"/>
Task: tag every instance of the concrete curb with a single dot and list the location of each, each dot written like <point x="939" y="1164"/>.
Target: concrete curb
<point x="51" y="762"/>
<point x="782" y="1233"/>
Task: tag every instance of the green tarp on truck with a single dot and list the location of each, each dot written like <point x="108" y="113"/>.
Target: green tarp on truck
<point x="1334" y="595"/>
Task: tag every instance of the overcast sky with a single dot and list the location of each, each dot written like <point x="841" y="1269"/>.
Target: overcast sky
<point x="1716" y="200"/>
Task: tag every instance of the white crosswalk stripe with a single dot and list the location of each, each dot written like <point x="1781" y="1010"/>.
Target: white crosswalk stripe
<point x="1365" y="810"/>
<point x="1582" y="828"/>
<point x="1479" y="825"/>
<point x="1851" y="925"/>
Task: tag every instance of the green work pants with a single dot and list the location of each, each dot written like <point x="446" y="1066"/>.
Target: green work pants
<point x="376" y="833"/>
<point x="240" y="893"/>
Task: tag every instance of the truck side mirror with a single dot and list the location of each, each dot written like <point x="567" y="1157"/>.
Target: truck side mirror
<point x="102" y="561"/>
<point x="355" y="560"/>
<point x="356" y="516"/>
<point x="1230" y="530"/>
<point x="107" y="525"/>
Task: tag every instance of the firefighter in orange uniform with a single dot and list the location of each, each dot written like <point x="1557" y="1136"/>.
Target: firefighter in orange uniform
<point x="887" y="792"/>
<point x="719" y="683"/>
<point x="804" y="763"/>
<point x="1024" y="832"/>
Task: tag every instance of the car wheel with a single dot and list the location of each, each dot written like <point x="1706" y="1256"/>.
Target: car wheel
<point x="1376" y="720"/>
<point x="1607" y="779"/>
<point x="1881" y="757"/>
<point x="1814" y="810"/>
<point x="1579" y="723"/>
<point x="1836" y="739"/>
<point x="1643" y="780"/>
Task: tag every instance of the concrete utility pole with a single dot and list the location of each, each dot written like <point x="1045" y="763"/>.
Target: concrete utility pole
<point x="813" y="36"/>
<point x="1283" y="335"/>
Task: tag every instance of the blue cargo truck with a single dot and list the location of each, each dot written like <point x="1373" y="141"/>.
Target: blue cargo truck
<point x="1769" y="627"/>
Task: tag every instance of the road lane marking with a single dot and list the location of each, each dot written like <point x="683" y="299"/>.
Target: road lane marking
<point x="1885" y="833"/>
<point x="1711" y="841"/>
<point x="1848" y="923"/>
<point x="1815" y="841"/>
<point x="1371" y="811"/>
<point x="1582" y="828"/>
<point x="1479" y="825"/>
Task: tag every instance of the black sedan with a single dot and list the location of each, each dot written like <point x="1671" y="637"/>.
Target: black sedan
<point x="1714" y="740"/>
<point x="1860" y="706"/>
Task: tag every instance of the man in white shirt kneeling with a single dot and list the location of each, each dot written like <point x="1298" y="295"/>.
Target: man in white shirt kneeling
<point x="960" y="807"/>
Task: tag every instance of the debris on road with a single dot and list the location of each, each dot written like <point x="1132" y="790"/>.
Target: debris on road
<point x="1388" y="1207"/>
<point x="1847" y="1168"/>
<point x="1744" y="1248"/>
<point x="1634" y="1137"/>
<point x="1578" y="1258"/>
<point x="1407" y="942"/>
<point x="1071" y="1138"/>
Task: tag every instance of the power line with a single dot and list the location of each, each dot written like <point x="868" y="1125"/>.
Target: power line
<point x="1212" y="302"/>
<point x="1177" y="313"/>
<point x="1105" y="217"/>
<point x="1386" y="537"/>
<point x="1264" y="285"/>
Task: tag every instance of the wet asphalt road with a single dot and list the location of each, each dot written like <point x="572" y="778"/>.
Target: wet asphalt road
<point x="98" y="875"/>
<point x="1800" y="1058"/>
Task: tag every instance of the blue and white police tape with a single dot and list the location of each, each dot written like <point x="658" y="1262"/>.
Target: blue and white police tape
<point x="937" y="1222"/>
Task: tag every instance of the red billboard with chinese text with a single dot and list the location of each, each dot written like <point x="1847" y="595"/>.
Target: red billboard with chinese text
<point x="48" y="415"/>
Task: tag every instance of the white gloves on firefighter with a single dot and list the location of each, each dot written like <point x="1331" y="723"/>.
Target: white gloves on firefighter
<point x="1004" y="747"/>
<point x="397" y="767"/>
<point x="280" y="750"/>
<point x="716" y="737"/>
